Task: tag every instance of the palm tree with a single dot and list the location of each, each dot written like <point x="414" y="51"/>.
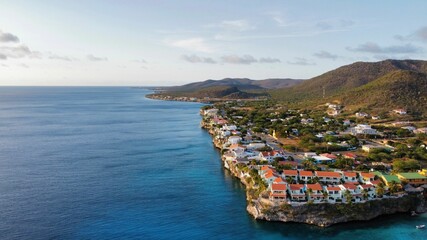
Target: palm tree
<point x="365" y="194"/>
<point x="309" y="192"/>
<point x="347" y="196"/>
<point x="394" y="187"/>
<point x="325" y="195"/>
<point x="380" y="190"/>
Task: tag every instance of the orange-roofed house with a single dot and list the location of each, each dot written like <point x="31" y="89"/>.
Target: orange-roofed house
<point x="350" y="155"/>
<point x="367" y="177"/>
<point x="279" y="180"/>
<point x="329" y="177"/>
<point x="278" y="192"/>
<point x="297" y="192"/>
<point x="354" y="190"/>
<point x="270" y="176"/>
<point x="350" y="177"/>
<point x="266" y="168"/>
<point x="334" y="194"/>
<point x="305" y="175"/>
<point x="328" y="155"/>
<point x="316" y="192"/>
<point x="293" y="174"/>
<point x="368" y="191"/>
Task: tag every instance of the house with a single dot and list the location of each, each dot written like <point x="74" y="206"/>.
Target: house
<point x="269" y="156"/>
<point x="334" y="194"/>
<point x="361" y="115"/>
<point x="366" y="177"/>
<point x="210" y="112"/>
<point x="330" y="156"/>
<point x="279" y="180"/>
<point x="322" y="160"/>
<point x="369" y="148"/>
<point x="309" y="154"/>
<point x="255" y="145"/>
<point x="364" y="129"/>
<point x="375" y="117"/>
<point x="265" y="168"/>
<point x="356" y="194"/>
<point x="293" y="174"/>
<point x="329" y="177"/>
<point x="350" y="155"/>
<point x="400" y="111"/>
<point x="307" y="121"/>
<point x="369" y="189"/>
<point x="350" y="177"/>
<point x="296" y="191"/>
<point x="414" y="179"/>
<point x="278" y="192"/>
<point x="316" y="192"/>
<point x="305" y="175"/>
<point x="234" y="140"/>
<point x="270" y="176"/>
<point x="420" y="130"/>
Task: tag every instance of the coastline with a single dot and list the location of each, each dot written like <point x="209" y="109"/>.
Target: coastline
<point x="319" y="214"/>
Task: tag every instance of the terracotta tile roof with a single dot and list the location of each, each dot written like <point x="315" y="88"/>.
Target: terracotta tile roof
<point x="306" y="173"/>
<point x="350" y="186"/>
<point x="269" y="174"/>
<point x="278" y="187"/>
<point x="366" y="186"/>
<point x="294" y="187"/>
<point x="367" y="175"/>
<point x="328" y="174"/>
<point x="290" y="172"/>
<point x="376" y="182"/>
<point x="350" y="174"/>
<point x="266" y="168"/>
<point x="279" y="180"/>
<point x="315" y="186"/>
<point x="333" y="188"/>
<point x="350" y="155"/>
<point x="328" y="155"/>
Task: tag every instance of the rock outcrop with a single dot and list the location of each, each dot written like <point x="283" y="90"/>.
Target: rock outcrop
<point x="325" y="214"/>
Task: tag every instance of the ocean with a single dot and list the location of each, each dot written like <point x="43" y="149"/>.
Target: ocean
<point x="108" y="163"/>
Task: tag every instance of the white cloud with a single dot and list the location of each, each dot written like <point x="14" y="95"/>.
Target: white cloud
<point x="196" y="59"/>
<point x="371" y="47"/>
<point x="20" y="51"/>
<point x="92" y="58"/>
<point x="192" y="44"/>
<point x="234" y="59"/>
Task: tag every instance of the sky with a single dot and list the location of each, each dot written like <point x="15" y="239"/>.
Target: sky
<point x="161" y="42"/>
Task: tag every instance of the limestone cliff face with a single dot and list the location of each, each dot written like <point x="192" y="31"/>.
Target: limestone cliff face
<point x="325" y="214"/>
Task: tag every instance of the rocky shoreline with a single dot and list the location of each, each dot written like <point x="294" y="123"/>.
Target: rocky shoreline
<point x="322" y="214"/>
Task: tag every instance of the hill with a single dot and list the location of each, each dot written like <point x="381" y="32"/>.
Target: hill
<point x="345" y="78"/>
<point x="398" y="89"/>
<point x="242" y="84"/>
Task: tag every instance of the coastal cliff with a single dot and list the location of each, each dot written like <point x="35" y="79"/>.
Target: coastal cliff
<point x="326" y="214"/>
<point x="320" y="214"/>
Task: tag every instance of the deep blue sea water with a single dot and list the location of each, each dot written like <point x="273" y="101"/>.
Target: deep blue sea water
<point x="108" y="163"/>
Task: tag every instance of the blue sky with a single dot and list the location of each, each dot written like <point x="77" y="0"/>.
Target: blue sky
<point x="160" y="42"/>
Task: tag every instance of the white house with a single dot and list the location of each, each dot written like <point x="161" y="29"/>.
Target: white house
<point x="329" y="177"/>
<point x="269" y="156"/>
<point x="254" y="145"/>
<point x="322" y="159"/>
<point x="400" y="111"/>
<point x="334" y="194"/>
<point x="370" y="190"/>
<point x="363" y="129"/>
<point x="234" y="140"/>
<point x="361" y="115"/>
<point x="278" y="192"/>
<point x="350" y="177"/>
<point x="297" y="192"/>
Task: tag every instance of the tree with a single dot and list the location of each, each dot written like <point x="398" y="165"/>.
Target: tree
<point x="365" y="194"/>
<point x="325" y="196"/>
<point x="380" y="190"/>
<point x="347" y="196"/>
<point x="309" y="192"/>
<point x="309" y="164"/>
<point x="393" y="187"/>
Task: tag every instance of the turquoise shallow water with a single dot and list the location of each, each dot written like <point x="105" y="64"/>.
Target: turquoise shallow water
<point x="107" y="163"/>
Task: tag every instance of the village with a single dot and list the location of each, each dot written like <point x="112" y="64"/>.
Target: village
<point x="333" y="172"/>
